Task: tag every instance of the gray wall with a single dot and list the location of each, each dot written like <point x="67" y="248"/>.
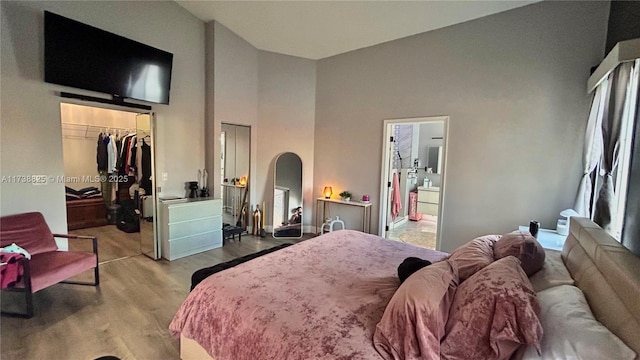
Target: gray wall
<point x="31" y="140"/>
<point x="514" y="86"/>
<point x="234" y="64"/>
<point x="286" y="117"/>
<point x="272" y="93"/>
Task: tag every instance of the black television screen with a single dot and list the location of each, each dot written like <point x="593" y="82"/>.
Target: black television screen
<point x="85" y="57"/>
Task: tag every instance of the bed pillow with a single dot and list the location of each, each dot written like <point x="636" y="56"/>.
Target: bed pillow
<point x="553" y="272"/>
<point x="474" y="255"/>
<point x="571" y="331"/>
<point x="413" y="322"/>
<point x="493" y="313"/>
<point x="523" y="246"/>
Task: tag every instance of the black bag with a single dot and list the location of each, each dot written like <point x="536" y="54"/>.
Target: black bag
<point x="129" y="220"/>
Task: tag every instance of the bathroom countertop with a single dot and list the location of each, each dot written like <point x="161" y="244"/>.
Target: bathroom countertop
<point x="431" y="188"/>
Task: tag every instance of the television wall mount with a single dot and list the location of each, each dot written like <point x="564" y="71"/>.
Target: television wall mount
<point x="115" y="101"/>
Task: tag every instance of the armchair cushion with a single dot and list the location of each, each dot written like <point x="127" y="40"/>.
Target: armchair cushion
<point x="53" y="267"/>
<point x="29" y="230"/>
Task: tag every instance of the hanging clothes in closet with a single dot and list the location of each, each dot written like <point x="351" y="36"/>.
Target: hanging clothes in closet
<point x="145" y="165"/>
<point x="106" y="157"/>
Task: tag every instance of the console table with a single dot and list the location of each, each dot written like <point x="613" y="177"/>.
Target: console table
<point x="366" y="211"/>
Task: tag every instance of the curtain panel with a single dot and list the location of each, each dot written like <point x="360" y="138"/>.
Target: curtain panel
<point x="614" y="104"/>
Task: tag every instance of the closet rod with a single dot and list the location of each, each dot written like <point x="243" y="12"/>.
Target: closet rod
<point x="115" y="101"/>
<point x="75" y="129"/>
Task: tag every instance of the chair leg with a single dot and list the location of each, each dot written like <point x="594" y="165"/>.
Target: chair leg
<point x="26" y="273"/>
<point x="29" y="300"/>
<point x="96" y="273"/>
<point x="28" y="294"/>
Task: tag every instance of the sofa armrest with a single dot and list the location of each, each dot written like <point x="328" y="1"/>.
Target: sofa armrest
<point x="84" y="237"/>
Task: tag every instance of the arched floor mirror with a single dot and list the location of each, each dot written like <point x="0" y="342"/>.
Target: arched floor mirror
<point x="287" y="196"/>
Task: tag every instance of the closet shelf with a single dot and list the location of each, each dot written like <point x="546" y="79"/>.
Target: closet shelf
<point x="83" y="131"/>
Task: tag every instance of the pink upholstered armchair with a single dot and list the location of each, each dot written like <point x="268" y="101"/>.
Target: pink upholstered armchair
<point x="48" y="265"/>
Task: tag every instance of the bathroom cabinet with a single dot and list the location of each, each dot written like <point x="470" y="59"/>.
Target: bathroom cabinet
<point x="428" y="200"/>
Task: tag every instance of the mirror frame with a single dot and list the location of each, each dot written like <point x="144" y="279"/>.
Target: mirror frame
<point x="275" y="175"/>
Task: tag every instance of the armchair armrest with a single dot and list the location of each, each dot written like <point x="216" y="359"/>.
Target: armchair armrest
<point x="68" y="236"/>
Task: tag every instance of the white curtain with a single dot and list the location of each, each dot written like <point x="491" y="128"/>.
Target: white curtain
<point x="592" y="150"/>
<point x="615" y="102"/>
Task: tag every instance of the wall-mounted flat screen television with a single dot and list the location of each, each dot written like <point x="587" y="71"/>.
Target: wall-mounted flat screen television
<point x="85" y="57"/>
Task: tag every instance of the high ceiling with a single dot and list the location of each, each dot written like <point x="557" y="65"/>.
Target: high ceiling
<point x="319" y="29"/>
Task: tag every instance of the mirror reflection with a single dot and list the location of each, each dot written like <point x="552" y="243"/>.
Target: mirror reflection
<point x="235" y="142"/>
<point x="287" y="196"/>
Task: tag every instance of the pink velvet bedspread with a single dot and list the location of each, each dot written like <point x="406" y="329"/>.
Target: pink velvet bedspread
<point x="319" y="299"/>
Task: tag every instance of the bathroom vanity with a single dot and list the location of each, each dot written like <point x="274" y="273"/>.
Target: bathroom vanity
<point x="428" y="200"/>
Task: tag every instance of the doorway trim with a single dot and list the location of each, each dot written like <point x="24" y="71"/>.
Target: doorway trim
<point x="385" y="174"/>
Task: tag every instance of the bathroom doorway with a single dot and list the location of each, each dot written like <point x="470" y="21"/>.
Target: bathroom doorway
<point x="412" y="183"/>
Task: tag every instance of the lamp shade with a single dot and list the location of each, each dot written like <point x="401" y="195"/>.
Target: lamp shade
<point x="327" y="192"/>
<point x="243" y="181"/>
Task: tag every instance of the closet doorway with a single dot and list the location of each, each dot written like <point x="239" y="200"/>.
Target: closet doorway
<point x="108" y="166"/>
<point x="412" y="183"/>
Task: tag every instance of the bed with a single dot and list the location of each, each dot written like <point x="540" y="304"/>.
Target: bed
<point x="328" y="296"/>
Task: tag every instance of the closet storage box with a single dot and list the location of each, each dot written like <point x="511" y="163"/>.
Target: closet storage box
<point x="190" y="226"/>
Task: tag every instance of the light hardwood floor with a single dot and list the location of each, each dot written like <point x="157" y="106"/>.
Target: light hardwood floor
<point x="126" y="316"/>
<point x="114" y="243"/>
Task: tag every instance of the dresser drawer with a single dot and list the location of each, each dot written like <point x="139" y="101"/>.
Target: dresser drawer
<point x="199" y="226"/>
<point x="194" y="210"/>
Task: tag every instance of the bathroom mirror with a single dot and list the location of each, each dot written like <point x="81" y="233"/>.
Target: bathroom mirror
<point x="434" y="159"/>
<point x="287" y="196"/>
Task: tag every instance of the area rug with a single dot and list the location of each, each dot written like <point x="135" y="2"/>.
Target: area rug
<point x="419" y="238"/>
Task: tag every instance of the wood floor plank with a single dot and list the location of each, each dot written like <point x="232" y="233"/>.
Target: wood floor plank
<point x="127" y="316"/>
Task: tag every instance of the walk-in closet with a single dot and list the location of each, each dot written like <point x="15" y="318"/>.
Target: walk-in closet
<point x="108" y="167"/>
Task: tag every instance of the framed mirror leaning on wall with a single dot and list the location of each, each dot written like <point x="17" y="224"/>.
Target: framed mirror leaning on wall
<point x="287" y="196"/>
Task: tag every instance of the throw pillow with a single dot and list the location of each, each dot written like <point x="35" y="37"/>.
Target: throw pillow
<point x="553" y="272"/>
<point x="523" y="246"/>
<point x="571" y="331"/>
<point x="493" y="313"/>
<point x="413" y="322"/>
<point x="474" y="255"/>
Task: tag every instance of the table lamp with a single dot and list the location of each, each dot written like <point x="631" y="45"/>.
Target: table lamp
<point x="327" y="192"/>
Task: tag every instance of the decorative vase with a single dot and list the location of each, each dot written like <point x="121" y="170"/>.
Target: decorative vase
<point x="346" y="199"/>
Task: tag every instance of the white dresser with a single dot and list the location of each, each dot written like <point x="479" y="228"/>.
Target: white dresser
<point x="190" y="226"/>
<point x="428" y="200"/>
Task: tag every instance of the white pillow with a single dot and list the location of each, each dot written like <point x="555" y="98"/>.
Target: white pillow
<point x="553" y="272"/>
<point x="571" y="331"/>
